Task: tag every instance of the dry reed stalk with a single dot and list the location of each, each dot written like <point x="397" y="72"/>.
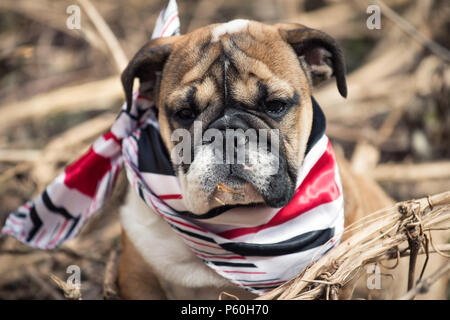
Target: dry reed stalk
<point x="45" y="286"/>
<point x="106" y="34"/>
<point x="110" y="290"/>
<point x="424" y="285"/>
<point x="95" y="95"/>
<point x="17" y="155"/>
<point x="409" y="29"/>
<point x="412" y="172"/>
<point x="375" y="237"/>
<point x="49" y="13"/>
<point x="69" y="292"/>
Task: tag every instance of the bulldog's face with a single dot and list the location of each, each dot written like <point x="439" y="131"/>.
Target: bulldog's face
<point x="240" y="76"/>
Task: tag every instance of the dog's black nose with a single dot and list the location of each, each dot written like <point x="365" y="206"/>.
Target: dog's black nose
<point x="230" y="120"/>
<point x="234" y="129"/>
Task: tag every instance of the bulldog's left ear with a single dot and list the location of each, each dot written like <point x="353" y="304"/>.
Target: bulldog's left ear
<point x="319" y="53"/>
<point x="146" y="64"/>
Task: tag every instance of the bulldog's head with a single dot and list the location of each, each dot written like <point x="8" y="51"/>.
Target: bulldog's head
<point x="239" y="76"/>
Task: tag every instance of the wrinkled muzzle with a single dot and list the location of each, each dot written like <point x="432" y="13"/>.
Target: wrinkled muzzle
<point x="232" y="163"/>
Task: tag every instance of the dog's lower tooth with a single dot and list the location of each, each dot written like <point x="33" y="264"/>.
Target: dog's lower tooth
<point x="219" y="201"/>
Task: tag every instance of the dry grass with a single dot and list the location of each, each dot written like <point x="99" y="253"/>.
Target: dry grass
<point x="60" y="89"/>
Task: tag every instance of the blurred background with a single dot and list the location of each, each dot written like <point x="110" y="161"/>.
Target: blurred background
<point x="60" y="89"/>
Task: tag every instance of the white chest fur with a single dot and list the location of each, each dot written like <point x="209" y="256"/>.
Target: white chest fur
<point x="179" y="271"/>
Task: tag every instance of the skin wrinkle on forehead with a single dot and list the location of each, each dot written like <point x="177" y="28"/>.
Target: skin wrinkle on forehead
<point x="247" y="65"/>
<point x="203" y="65"/>
<point x="205" y="91"/>
<point x="216" y="68"/>
<point x="226" y="64"/>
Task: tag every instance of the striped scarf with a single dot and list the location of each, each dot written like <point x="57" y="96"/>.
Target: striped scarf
<point x="257" y="248"/>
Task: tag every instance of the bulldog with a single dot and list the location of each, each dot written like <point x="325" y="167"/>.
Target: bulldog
<point x="238" y="75"/>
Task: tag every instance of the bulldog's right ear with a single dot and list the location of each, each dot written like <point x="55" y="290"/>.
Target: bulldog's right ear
<point x="321" y="54"/>
<point x="146" y="64"/>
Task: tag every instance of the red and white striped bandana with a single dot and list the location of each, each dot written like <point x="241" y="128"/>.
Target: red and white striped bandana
<point x="257" y="248"/>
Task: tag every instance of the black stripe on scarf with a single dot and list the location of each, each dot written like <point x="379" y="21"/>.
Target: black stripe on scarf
<point x="54" y="209"/>
<point x="193" y="234"/>
<point x="232" y="264"/>
<point x="74" y="224"/>
<point x="37" y="223"/>
<point x="60" y="210"/>
<point x="266" y="288"/>
<point x="299" y="243"/>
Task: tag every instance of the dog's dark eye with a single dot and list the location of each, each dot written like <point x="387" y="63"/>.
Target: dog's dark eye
<point x="185" y="114"/>
<point x="275" y="108"/>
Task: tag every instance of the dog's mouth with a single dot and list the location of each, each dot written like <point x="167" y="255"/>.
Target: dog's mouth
<point x="242" y="186"/>
<point x="235" y="192"/>
<point x="262" y="178"/>
<point x="214" y="212"/>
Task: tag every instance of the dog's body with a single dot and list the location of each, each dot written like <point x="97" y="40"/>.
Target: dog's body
<point x="221" y="75"/>
<point x="157" y="264"/>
